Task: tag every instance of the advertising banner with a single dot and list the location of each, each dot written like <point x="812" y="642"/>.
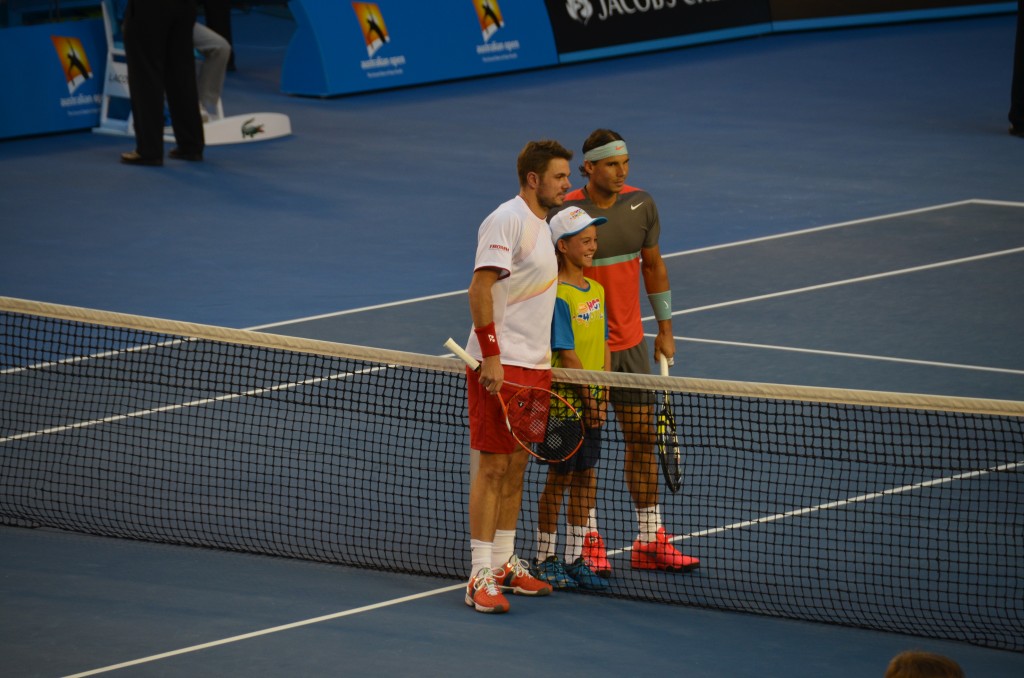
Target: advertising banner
<point x="589" y="29"/>
<point x="342" y="47"/>
<point x="55" y="79"/>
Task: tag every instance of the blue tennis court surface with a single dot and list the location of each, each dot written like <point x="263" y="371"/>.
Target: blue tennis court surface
<point x="926" y="301"/>
<point x="863" y="228"/>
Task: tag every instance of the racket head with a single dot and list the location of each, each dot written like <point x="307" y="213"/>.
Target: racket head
<point x="669" y="454"/>
<point x="544" y="423"/>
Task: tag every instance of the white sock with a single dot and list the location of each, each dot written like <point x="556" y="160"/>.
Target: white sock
<point x="545" y="545"/>
<point x="574" y="543"/>
<point x="504" y="547"/>
<point x="481" y="553"/>
<point x="592" y="520"/>
<point x="648" y="520"/>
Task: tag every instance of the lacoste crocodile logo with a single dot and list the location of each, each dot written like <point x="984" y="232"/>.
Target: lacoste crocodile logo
<point x="251" y="130"/>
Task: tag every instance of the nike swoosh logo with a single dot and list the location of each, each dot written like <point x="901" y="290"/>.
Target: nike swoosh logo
<point x="633" y="207"/>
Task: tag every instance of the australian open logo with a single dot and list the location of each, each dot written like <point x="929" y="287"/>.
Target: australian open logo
<point x="73" y="60"/>
<point x="371" y="21"/>
<point x="491" y="20"/>
<point x="375" y="35"/>
<point x="489" y="14"/>
<point x="77" y="72"/>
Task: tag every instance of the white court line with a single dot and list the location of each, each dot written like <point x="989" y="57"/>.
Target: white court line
<point x="224" y="397"/>
<point x="850" y="281"/>
<point x="738" y="243"/>
<point x="1004" y="468"/>
<point x="827" y="227"/>
<point x="997" y="203"/>
<point x="357" y="310"/>
<point x="842" y="224"/>
<point x="275" y="629"/>
<point x="841" y="354"/>
<point x="94" y="356"/>
<point x="1009" y="467"/>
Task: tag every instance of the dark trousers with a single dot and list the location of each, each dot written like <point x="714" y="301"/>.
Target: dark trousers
<point x="158" y="52"/>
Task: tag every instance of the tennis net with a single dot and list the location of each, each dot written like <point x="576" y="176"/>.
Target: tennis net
<point x="884" y="511"/>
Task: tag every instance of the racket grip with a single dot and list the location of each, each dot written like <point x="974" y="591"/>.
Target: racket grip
<point x="663" y="361"/>
<point x="454" y="347"/>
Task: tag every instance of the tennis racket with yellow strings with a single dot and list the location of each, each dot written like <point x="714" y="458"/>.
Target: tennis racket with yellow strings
<point x="667" y="442"/>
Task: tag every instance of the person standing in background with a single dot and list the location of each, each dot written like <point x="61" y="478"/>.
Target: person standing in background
<point x="216" y="52"/>
<point x="218" y="20"/>
<point x="159" y="55"/>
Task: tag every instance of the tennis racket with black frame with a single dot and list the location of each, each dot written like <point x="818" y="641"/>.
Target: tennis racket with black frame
<point x="542" y="422"/>
<point x="667" y="441"/>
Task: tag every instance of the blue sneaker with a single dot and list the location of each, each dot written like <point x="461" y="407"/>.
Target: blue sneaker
<point x="552" y="570"/>
<point x="585" y="577"/>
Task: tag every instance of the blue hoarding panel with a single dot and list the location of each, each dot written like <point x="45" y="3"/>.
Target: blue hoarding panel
<point x="58" y="82"/>
<point x="342" y="47"/>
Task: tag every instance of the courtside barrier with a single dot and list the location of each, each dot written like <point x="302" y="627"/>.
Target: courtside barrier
<point x="346" y="47"/>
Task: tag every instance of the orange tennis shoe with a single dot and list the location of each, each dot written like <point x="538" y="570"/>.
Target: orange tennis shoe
<point x="596" y="555"/>
<point x="516" y="576"/>
<point x="482" y="593"/>
<point x="661" y="555"/>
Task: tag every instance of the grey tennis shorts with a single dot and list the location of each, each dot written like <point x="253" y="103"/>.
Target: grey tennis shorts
<point x="635" y="360"/>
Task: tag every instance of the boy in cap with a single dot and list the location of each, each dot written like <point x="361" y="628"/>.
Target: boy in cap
<point x="579" y="340"/>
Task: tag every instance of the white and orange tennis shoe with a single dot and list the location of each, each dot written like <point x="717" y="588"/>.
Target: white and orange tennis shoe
<point x="483" y="594"/>
<point x="515" y="576"/>
<point x="661" y="555"/>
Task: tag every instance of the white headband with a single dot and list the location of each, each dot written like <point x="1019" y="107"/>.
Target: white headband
<point x="606" y="151"/>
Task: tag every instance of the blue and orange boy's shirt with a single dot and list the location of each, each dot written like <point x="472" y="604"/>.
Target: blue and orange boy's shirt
<point x="580" y="324"/>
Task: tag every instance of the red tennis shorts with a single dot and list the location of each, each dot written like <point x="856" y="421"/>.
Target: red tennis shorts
<point x="487" y="429"/>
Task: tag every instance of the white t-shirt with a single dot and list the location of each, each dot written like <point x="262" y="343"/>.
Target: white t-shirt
<point x="518" y="243"/>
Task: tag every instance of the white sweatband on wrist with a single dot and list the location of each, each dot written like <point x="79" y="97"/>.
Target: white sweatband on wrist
<point x="661" y="302"/>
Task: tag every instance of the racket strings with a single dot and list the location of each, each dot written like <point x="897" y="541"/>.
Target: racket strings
<point x="669" y="453"/>
<point x="528" y="413"/>
<point x="546" y="424"/>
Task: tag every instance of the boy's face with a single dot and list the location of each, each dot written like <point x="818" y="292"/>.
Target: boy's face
<point x="579" y="249"/>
